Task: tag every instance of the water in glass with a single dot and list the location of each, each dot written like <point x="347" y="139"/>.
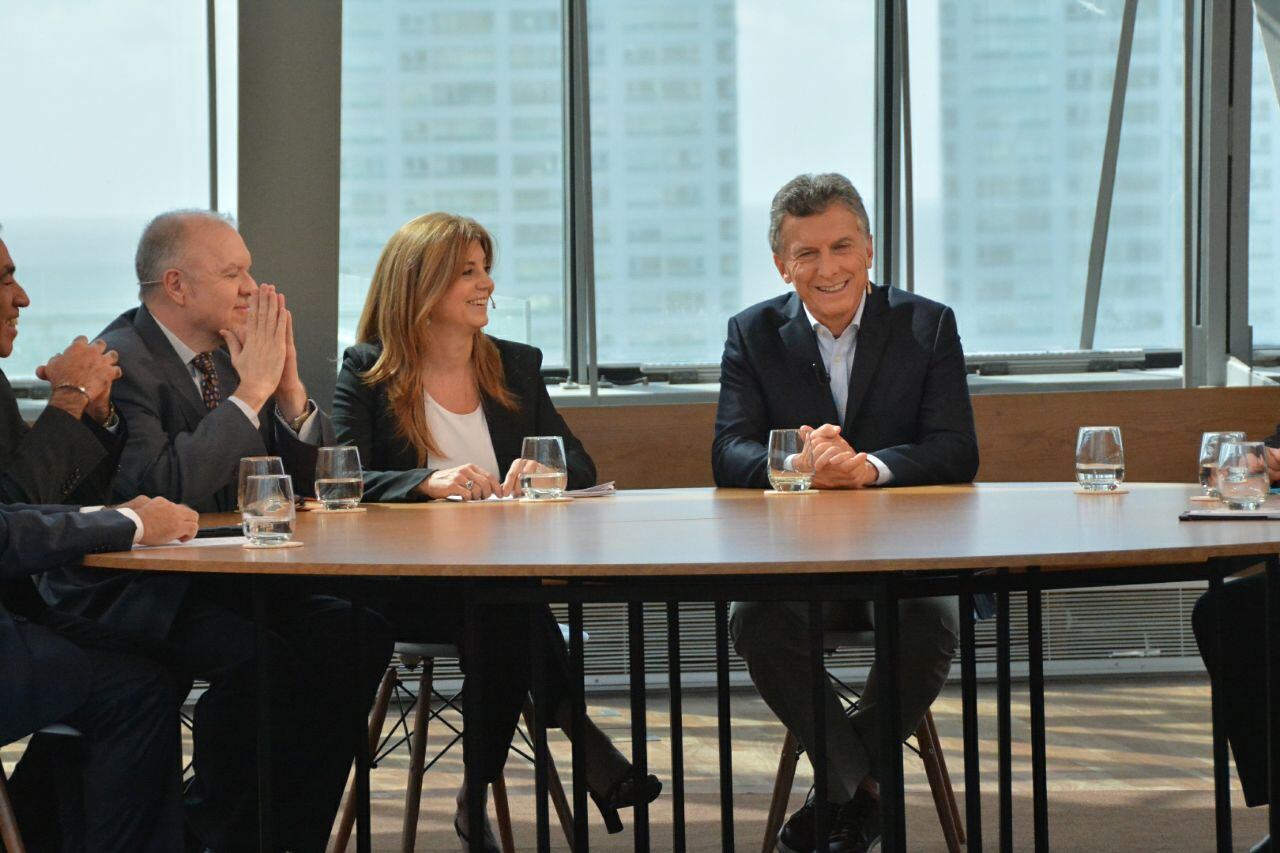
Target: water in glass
<point x="268" y="510"/>
<point x="339" y="479"/>
<point x="1210" y="443"/>
<point x="250" y="465"/>
<point x="1243" y="482"/>
<point x="790" y="461"/>
<point x="1099" y="458"/>
<point x="549" y="476"/>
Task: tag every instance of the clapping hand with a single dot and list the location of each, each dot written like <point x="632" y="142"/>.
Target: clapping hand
<point x="258" y="352"/>
<point x="836" y="465"/>
<point x="83" y="365"/>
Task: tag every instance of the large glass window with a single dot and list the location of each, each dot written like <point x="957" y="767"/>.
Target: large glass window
<point x="1010" y="106"/>
<point x="457" y="106"/>
<point x="106" y="124"/>
<point x="700" y="111"/>
<point x="1264" y="190"/>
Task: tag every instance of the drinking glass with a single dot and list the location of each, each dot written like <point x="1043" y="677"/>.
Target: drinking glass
<point x="251" y="465"/>
<point x="1242" y="474"/>
<point x="1210" y="442"/>
<point x="339" y="480"/>
<point x="1099" y="458"/>
<point x="790" y="461"/>
<point x="549" y="477"/>
<point x="268" y="509"/>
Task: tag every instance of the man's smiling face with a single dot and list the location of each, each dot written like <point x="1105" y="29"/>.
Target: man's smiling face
<point x="825" y="257"/>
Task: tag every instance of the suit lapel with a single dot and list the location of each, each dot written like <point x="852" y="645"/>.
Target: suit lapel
<point x="805" y="362"/>
<point x="873" y="334"/>
<point x="172" y="371"/>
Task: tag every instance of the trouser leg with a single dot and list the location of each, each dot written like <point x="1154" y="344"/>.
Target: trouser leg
<point x="1243" y="680"/>
<point x="132" y="785"/>
<point x="927" y="642"/>
<point x="773" y="638"/>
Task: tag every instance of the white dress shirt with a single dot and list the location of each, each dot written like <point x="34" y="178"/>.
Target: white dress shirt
<point x="837" y="358"/>
<point x="308" y="432"/>
<point x="138" y="529"/>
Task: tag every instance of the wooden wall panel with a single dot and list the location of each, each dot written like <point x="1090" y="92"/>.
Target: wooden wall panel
<point x="1021" y="436"/>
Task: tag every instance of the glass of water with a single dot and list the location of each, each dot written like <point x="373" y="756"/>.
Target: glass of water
<point x="250" y="465"/>
<point x="1099" y="458"/>
<point x="268" y="509"/>
<point x="790" y="461"/>
<point x="339" y="480"/>
<point x="1243" y="482"/>
<point x="1210" y="443"/>
<point x="549" y="477"/>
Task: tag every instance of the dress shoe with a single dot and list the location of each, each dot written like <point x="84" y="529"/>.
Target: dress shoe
<point x="796" y="835"/>
<point x="490" y="842"/>
<point x="856" y="827"/>
<point x="1263" y="846"/>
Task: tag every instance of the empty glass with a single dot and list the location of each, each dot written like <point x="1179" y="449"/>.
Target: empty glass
<point x="1099" y="458"/>
<point x="790" y="461"/>
<point x="339" y="480"/>
<point x="550" y="476"/>
<point x="250" y="465"/>
<point x="268" y="509"/>
<point x="1243" y="482"/>
<point x="1210" y="443"/>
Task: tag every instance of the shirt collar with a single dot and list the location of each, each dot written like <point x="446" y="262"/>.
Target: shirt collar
<point x="184" y="352"/>
<point x="814" y="324"/>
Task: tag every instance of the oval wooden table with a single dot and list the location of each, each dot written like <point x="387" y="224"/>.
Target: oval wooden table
<point x="726" y="544"/>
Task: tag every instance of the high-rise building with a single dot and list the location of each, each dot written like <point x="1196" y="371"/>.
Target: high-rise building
<point x="458" y="106"/>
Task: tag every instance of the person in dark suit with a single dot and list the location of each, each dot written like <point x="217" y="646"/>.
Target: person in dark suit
<point x="124" y="705"/>
<point x="210" y="376"/>
<point x="875" y="379"/>
<point x="438" y="409"/>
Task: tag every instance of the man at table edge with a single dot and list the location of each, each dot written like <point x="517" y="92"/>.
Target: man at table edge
<point x="875" y="379"/>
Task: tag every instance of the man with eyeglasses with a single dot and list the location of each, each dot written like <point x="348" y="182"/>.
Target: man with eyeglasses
<point x="874" y="378"/>
<point x="211" y="376"/>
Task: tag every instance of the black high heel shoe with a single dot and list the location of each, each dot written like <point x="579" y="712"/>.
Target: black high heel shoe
<point x="624" y="794"/>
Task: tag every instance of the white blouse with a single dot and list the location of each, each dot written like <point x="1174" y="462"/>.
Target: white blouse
<point x="462" y="439"/>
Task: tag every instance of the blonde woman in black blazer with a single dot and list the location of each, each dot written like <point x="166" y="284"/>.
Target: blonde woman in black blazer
<point x="438" y="409"/>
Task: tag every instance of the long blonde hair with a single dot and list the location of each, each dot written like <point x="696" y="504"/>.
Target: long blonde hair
<point x="416" y="267"/>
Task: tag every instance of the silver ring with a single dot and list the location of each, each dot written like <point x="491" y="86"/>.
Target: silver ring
<point x="467" y="485"/>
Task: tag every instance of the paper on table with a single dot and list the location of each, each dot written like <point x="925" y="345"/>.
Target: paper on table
<point x="196" y="543"/>
<point x="597" y="491"/>
<point x="1230" y="515"/>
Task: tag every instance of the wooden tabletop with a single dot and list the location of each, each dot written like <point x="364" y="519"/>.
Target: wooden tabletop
<point x="738" y="531"/>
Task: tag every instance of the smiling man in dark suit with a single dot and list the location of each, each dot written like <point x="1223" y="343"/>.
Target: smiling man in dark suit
<point x="875" y="378"/>
<point x="210" y="376"/>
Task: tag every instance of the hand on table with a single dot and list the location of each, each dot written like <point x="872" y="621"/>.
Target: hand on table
<point x="836" y="465"/>
<point x="470" y="482"/>
<point x="164" y="521"/>
<point x="511" y="485"/>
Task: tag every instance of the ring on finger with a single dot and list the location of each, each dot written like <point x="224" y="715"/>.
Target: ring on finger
<point x="468" y="485"/>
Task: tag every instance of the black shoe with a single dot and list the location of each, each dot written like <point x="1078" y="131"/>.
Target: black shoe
<point x="856" y="827"/>
<point x="490" y="842"/>
<point x="1263" y="846"/>
<point x="796" y="835"/>
<point x="625" y="794"/>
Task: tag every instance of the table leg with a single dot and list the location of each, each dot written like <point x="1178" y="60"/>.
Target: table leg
<point x="1035" y="654"/>
<point x="577" y="670"/>
<point x="472" y="731"/>
<point x="259" y="603"/>
<point x="892" y="798"/>
<point x="538" y="731"/>
<point x="639" y="746"/>
<point x="1221" y="765"/>
<point x="724" y="719"/>
<point x="1004" y="714"/>
<point x="1273" y="691"/>
<point x="677" y="728"/>
<point x="969" y="703"/>
<point x="818" y="757"/>
<point x="360" y="728"/>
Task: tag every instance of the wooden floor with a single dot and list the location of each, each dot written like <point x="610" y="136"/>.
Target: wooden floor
<point x="1129" y="769"/>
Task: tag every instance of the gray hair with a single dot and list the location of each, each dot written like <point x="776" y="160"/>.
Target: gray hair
<point x="163" y="241"/>
<point x="809" y="195"/>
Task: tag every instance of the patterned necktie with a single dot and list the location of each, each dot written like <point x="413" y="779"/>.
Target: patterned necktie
<point x="209" y="390"/>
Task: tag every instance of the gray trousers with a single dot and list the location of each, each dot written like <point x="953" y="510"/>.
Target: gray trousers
<point x="773" y="638"/>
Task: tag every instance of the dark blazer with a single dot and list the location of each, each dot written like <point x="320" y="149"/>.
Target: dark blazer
<point x="58" y="459"/>
<point x="179" y="450"/>
<point x="363" y="417"/>
<point x="35" y="540"/>
<point x="908" y="397"/>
